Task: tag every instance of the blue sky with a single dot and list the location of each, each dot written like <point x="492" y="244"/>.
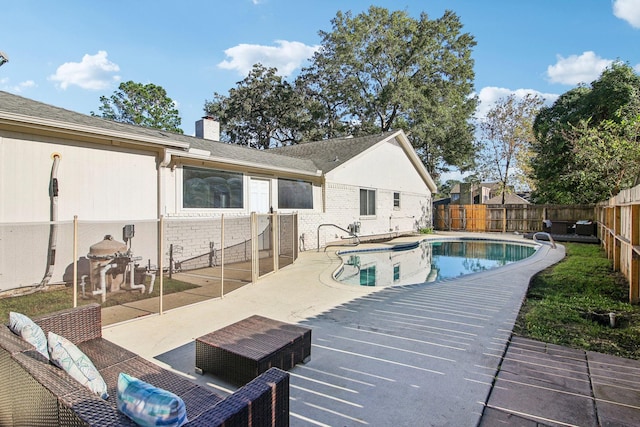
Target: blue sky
<point x="69" y="53"/>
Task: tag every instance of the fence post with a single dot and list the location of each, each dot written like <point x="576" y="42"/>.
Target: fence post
<point x="75" y="261"/>
<point x="504" y="220"/>
<point x="222" y="256"/>
<point x="255" y="249"/>
<point x="275" y="239"/>
<point x="160" y="262"/>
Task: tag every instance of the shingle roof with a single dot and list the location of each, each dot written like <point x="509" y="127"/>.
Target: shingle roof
<point x="509" y="199"/>
<point x="267" y="159"/>
<point x="331" y="153"/>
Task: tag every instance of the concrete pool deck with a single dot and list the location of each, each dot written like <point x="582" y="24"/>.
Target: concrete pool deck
<point x="422" y="354"/>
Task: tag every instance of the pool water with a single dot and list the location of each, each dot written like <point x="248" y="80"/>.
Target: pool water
<point x="427" y="261"/>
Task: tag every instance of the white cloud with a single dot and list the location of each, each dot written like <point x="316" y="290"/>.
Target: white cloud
<point x="628" y="10"/>
<point x="577" y="69"/>
<point x="489" y="95"/>
<point x="286" y="57"/>
<point x="17" y="88"/>
<point x="95" y="72"/>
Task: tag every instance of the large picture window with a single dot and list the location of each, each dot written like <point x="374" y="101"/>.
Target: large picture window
<point x="210" y="188"/>
<point x="294" y="194"/>
<point x="367" y="202"/>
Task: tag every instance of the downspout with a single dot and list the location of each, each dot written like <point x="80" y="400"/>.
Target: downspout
<point x="53" y="227"/>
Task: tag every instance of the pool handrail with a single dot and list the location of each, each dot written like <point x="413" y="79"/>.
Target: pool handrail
<point x="544" y="233"/>
<point x="343" y="229"/>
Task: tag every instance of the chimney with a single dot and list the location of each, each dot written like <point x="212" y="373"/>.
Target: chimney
<point x="208" y="128"/>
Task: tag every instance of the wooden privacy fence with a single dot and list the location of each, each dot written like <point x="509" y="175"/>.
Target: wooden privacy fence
<point x="619" y="230"/>
<point x="504" y="218"/>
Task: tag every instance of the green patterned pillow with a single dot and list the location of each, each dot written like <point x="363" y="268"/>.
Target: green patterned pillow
<point x="29" y="331"/>
<point x="67" y="356"/>
<point x="148" y="405"/>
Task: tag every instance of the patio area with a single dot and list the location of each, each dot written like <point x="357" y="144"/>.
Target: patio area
<point x="422" y="354"/>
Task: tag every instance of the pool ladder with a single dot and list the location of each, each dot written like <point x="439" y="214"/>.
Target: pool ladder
<point x="544" y="233"/>
<point x="351" y="233"/>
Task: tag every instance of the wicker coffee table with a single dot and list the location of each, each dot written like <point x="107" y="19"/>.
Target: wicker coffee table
<point x="242" y="351"/>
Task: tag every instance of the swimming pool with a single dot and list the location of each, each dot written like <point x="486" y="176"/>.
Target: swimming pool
<point x="427" y="261"/>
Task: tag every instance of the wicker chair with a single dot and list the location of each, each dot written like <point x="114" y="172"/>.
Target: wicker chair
<point x="33" y="392"/>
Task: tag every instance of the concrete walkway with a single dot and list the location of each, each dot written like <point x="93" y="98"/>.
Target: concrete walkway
<point x="545" y="384"/>
<point x="423" y="354"/>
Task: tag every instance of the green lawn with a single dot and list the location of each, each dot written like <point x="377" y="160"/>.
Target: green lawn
<point x="569" y="304"/>
<point x="44" y="302"/>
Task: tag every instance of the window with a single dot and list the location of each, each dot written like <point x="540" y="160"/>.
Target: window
<point x="396" y="200"/>
<point x="368" y="276"/>
<point x="210" y="188"/>
<point x="396" y="272"/>
<point x="367" y="202"/>
<point x="294" y="194"/>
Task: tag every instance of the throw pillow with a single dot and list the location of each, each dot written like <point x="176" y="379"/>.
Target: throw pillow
<point x="148" y="405"/>
<point x="67" y="356"/>
<point x="29" y="331"/>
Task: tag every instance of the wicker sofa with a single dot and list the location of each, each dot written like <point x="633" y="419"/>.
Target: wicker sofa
<point x="34" y="392"/>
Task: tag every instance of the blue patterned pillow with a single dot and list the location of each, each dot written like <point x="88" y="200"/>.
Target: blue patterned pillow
<point x="29" y="331"/>
<point x="67" y="356"/>
<point x="147" y="405"/>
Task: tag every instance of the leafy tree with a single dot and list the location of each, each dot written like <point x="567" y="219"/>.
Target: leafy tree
<point x="374" y="72"/>
<point x="393" y="71"/>
<point x="261" y="109"/>
<point x="506" y="137"/>
<point x="607" y="158"/>
<point x="144" y="105"/>
<point x="606" y="104"/>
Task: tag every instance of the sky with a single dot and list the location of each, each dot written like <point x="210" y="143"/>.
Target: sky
<point x="70" y="53"/>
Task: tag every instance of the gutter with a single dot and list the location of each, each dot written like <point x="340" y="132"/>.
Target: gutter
<point x="204" y="156"/>
<point x="113" y="136"/>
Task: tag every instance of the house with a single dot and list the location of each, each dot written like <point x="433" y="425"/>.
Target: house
<point x="474" y="193"/>
<point x="60" y="165"/>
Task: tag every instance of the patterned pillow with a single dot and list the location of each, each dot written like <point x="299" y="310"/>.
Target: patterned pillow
<point x="67" y="356"/>
<point x="29" y="331"/>
<point x="147" y="405"/>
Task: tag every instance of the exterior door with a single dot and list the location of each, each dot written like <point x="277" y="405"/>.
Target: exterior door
<point x="260" y="200"/>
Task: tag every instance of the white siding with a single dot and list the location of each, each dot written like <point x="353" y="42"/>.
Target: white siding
<point x="94" y="183"/>
<point x="386" y="166"/>
<point x="385" y="169"/>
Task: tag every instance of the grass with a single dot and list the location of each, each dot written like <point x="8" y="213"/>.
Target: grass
<point x="569" y="304"/>
<point x="59" y="298"/>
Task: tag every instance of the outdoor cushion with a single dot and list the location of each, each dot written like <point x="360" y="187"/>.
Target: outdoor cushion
<point x="29" y="331"/>
<point x="148" y="405"/>
<point x="66" y="355"/>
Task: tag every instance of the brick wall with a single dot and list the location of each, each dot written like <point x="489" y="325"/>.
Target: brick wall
<point x="343" y="208"/>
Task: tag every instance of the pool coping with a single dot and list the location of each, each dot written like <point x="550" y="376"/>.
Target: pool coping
<point x="401" y="246"/>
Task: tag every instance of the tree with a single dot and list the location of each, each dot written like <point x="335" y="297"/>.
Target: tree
<point x="506" y="138"/>
<point x="374" y="72"/>
<point x="144" y="105"/>
<point x="396" y="72"/>
<point x="607" y="158"/>
<point x="262" y="109"/>
<point x="612" y="99"/>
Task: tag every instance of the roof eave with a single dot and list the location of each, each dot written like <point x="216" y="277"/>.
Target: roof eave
<point x="413" y="157"/>
<point x="242" y="164"/>
<point x="79" y="129"/>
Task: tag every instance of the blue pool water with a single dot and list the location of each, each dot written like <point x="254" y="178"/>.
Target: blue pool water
<point x="427" y="261"/>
